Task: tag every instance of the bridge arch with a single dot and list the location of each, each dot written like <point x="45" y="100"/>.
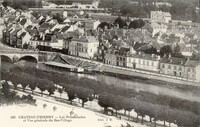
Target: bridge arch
<point x="5" y="58"/>
<point x="29" y="58"/>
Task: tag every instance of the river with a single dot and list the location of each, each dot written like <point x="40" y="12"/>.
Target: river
<point x="138" y="86"/>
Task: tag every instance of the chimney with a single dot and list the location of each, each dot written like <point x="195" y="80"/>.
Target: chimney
<point x="169" y="56"/>
<point x="158" y="57"/>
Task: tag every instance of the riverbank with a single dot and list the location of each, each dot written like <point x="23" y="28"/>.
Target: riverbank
<point x="142" y="76"/>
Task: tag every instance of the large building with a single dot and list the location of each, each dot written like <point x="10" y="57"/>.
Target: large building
<point x="85" y="46"/>
<point x="144" y="62"/>
<point x="180" y="67"/>
<point x="159" y="16"/>
<point x="81" y="4"/>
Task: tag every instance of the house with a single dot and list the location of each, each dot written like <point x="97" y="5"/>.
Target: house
<point x="143" y="61"/>
<point x="86" y="23"/>
<point x="49" y="40"/>
<point x="172" y="66"/>
<point x="192" y="70"/>
<point x="81" y="4"/>
<point x="24" y="38"/>
<point x="85" y="46"/>
<point x="158" y="27"/>
<point x="180" y="67"/>
<point x="117" y="56"/>
<point x="159" y="16"/>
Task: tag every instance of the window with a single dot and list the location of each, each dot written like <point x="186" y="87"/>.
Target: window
<point x="143" y="62"/>
<point x="163" y="66"/>
<point x="188" y="69"/>
<point x="147" y="63"/>
<point x="180" y="68"/>
<point x="192" y="70"/>
<point x="124" y="59"/>
<point x="90" y="50"/>
<point x="152" y="63"/>
<point x="175" y="67"/>
<point x="139" y="62"/>
<point x="169" y="67"/>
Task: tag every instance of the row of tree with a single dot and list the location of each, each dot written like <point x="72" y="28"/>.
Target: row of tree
<point x="9" y="97"/>
<point x="100" y="87"/>
<point x="135" y="24"/>
<point x="113" y="99"/>
<point x="157" y="112"/>
<point x="180" y="10"/>
<point x="27" y="80"/>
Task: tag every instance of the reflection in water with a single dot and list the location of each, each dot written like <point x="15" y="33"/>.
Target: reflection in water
<point x="138" y="86"/>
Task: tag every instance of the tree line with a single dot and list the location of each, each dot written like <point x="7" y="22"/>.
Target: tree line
<point x="7" y="96"/>
<point x="100" y="87"/>
<point x="180" y="10"/>
<point x="143" y="104"/>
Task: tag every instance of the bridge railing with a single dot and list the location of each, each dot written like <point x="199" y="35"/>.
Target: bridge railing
<point x="18" y="52"/>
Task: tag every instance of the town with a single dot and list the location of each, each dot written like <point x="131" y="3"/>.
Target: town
<point x="156" y="40"/>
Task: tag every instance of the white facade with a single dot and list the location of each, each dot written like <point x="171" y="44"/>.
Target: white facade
<point x="143" y="63"/>
<point x="159" y="16"/>
<point x="85" y="47"/>
<point x="158" y="27"/>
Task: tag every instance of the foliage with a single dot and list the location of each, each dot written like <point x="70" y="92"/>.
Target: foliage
<point x="136" y="24"/>
<point x="166" y="50"/>
<point x="120" y="22"/>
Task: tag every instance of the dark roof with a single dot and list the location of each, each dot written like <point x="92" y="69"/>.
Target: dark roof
<point x="65" y="28"/>
<point x="15" y="32"/>
<point x="29" y="27"/>
<point x="145" y="56"/>
<point x="23" y="34"/>
<point x="33" y="32"/>
<point x="192" y="63"/>
<point x="48" y="37"/>
<point x="23" y="21"/>
<point x="174" y="60"/>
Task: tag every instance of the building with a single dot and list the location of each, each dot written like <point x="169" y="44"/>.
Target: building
<point x="81" y="4"/>
<point x="158" y="27"/>
<point x="144" y="62"/>
<point x="180" y="67"/>
<point x="49" y="40"/>
<point x="85" y="46"/>
<point x="88" y="24"/>
<point x="117" y="56"/>
<point x="159" y="16"/>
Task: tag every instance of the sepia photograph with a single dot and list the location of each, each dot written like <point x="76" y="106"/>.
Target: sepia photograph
<point x="100" y="63"/>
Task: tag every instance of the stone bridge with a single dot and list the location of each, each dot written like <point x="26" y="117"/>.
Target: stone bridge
<point x="18" y="55"/>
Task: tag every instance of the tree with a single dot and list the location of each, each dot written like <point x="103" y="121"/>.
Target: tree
<point x="59" y="17"/>
<point x="43" y="85"/>
<point x="51" y="88"/>
<point x="60" y="90"/>
<point x="117" y="103"/>
<point x="5" y="3"/>
<point x="165" y="50"/>
<point x="121" y="23"/>
<point x="71" y="92"/>
<point x="104" y="25"/>
<point x="85" y="95"/>
<point x="6" y="89"/>
<point x="103" y="101"/>
<point x="137" y="24"/>
<point x="33" y="84"/>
